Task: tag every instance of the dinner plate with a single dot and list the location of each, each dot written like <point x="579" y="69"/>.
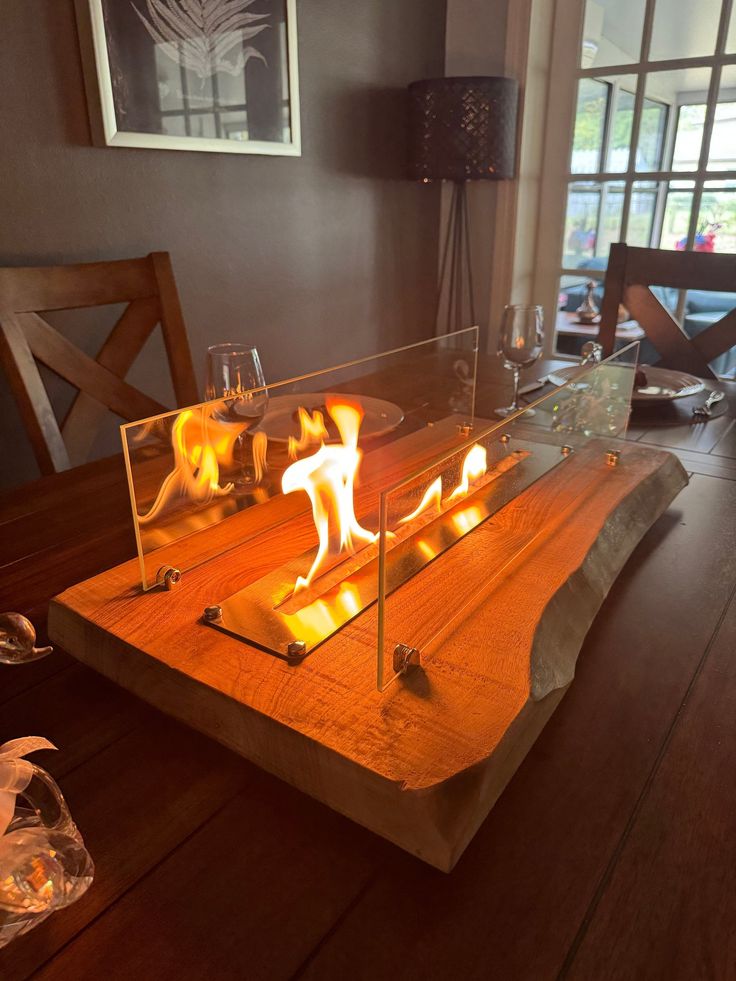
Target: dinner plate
<point x="281" y="420"/>
<point x="663" y="384"/>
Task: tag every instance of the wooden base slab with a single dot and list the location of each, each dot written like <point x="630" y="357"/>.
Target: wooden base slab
<point x="422" y="763"/>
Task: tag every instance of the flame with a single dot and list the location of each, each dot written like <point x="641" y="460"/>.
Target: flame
<point x="196" y="473"/>
<point x="432" y="498"/>
<point x="313" y="430"/>
<point x="467" y="519"/>
<point x="260" y="449"/>
<point x="475" y="465"/>
<point x="328" y="477"/>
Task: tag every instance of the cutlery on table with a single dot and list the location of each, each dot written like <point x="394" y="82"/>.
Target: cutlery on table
<point x="703" y="412"/>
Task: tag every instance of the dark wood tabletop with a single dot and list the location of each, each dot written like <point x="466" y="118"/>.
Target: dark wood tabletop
<point x="610" y="855"/>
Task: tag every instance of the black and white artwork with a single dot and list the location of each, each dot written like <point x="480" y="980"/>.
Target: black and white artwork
<point x="217" y="75"/>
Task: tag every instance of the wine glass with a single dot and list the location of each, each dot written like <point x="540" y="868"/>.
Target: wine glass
<point x="520" y="345"/>
<point x="233" y="371"/>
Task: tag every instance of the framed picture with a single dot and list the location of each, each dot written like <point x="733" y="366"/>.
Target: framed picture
<point x="214" y="75"/>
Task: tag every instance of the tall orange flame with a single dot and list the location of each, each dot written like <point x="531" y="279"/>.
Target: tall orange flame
<point x="475" y="465"/>
<point x="328" y="477"/>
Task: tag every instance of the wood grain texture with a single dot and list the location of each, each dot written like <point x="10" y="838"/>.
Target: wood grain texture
<point x="526" y="889"/>
<point x="515" y="902"/>
<point x="683" y="924"/>
<point x="148" y="792"/>
<point x="407" y="763"/>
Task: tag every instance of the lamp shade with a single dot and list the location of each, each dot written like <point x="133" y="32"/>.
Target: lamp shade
<point x="462" y="128"/>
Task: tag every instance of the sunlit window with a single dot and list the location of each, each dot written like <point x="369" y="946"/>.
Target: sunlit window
<point x="653" y="155"/>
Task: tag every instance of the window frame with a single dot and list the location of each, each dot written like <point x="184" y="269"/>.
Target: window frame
<point x="565" y="73"/>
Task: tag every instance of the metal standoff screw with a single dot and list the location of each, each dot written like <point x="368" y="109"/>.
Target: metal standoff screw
<point x="212" y="613"/>
<point x="168" y="576"/>
<point x="465" y="429"/>
<point x="505" y="438"/>
<point x="612" y="457"/>
<point x="405" y="658"/>
<point x="566" y="450"/>
<point x="296" y="650"/>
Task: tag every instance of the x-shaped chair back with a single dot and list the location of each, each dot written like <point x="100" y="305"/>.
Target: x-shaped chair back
<point x="630" y="275"/>
<point x="147" y="285"/>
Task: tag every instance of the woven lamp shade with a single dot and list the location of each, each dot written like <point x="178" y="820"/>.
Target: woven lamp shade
<point x="462" y="128"/>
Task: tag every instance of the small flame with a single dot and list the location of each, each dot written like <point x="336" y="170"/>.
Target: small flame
<point x="313" y="430"/>
<point x="328" y="477"/>
<point x="432" y="498"/>
<point x="260" y="449"/>
<point x="475" y="465"/>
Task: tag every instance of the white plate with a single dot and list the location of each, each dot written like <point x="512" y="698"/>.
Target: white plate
<point x="663" y="384"/>
<point x="280" y="421"/>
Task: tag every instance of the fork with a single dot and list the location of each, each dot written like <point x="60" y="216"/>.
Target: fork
<point x="703" y="412"/>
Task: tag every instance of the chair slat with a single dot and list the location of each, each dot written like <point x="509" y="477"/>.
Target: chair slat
<point x="82" y="422"/>
<point x="91" y="284"/>
<point x="665" y="333"/>
<point x="32" y="399"/>
<point x="718" y="338"/>
<point x="174" y="331"/>
<point x="148" y="286"/>
<point x="632" y="271"/>
<point x="64" y="359"/>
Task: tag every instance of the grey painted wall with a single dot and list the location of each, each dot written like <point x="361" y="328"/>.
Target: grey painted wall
<point x="314" y="259"/>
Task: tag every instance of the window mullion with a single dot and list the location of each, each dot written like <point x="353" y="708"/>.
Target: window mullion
<point x="710" y="113"/>
<point x="646" y="38"/>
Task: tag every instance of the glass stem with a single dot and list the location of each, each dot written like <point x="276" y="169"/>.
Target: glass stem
<point x="517" y="380"/>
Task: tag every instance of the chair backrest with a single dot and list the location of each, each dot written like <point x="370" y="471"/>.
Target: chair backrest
<point x="630" y="276"/>
<point x="147" y="285"/>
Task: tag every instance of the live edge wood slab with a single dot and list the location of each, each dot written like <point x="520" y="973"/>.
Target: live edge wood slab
<point x="423" y="762"/>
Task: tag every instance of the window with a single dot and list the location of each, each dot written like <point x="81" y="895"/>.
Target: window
<point x="653" y="154"/>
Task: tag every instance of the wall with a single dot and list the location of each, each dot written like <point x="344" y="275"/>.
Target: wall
<point x="314" y="260"/>
<point x="476" y="45"/>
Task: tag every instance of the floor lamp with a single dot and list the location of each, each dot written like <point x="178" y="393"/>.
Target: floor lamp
<point x="461" y="129"/>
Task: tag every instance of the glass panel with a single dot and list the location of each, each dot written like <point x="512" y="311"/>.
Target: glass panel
<point x="581" y="223"/>
<point x="424" y="515"/>
<point x="703" y="308"/>
<point x="609" y="229"/>
<point x="722" y="154"/>
<point x="572" y="333"/>
<point x="608" y="37"/>
<point x="619" y="141"/>
<point x="590" y="122"/>
<point x="224" y="461"/>
<point x="731" y="39"/>
<point x="667" y="95"/>
<point x="688" y="137"/>
<point x="684" y="29"/>
<point x="644" y="196"/>
<point x="717" y="218"/>
<point x="652" y="134"/>
<point x="676" y="222"/>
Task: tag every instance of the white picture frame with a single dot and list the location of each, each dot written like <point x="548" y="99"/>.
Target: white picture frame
<point x="105" y="108"/>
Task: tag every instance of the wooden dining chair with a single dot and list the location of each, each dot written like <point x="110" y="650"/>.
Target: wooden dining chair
<point x="148" y="288"/>
<point x="630" y="276"/>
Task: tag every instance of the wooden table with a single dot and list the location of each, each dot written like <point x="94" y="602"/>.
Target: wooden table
<point x="611" y="854"/>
